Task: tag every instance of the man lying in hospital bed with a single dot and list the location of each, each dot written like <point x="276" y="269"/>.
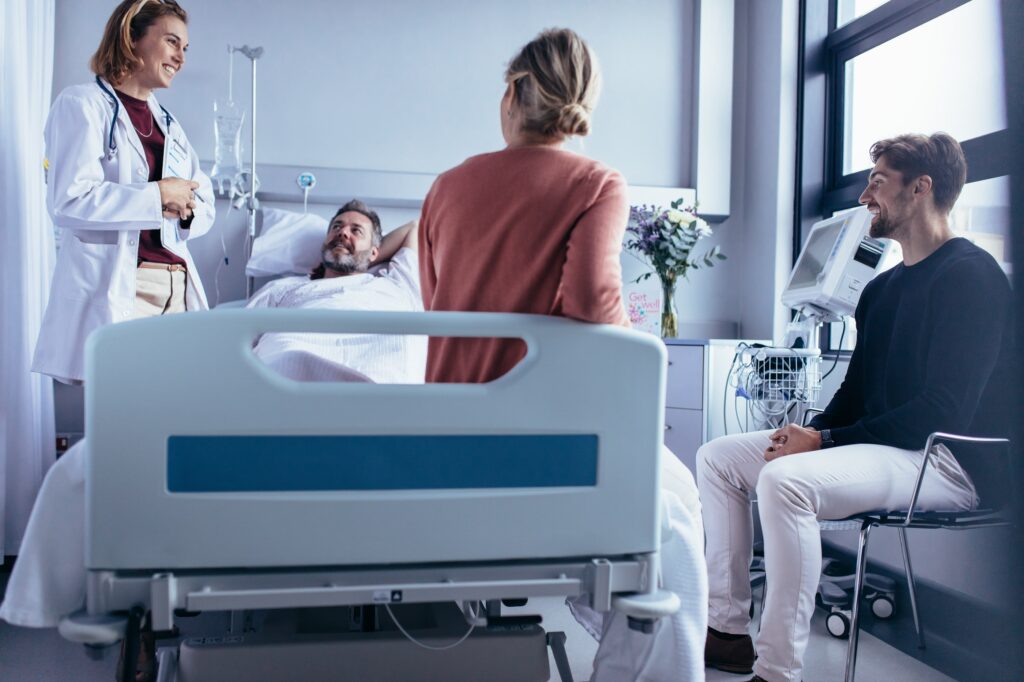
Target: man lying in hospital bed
<point x="359" y="269"/>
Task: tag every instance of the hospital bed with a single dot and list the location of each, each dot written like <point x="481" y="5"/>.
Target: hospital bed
<point x="230" y="488"/>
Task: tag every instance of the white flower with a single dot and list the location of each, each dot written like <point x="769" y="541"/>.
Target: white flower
<point x="702" y="228"/>
<point x="680" y="217"/>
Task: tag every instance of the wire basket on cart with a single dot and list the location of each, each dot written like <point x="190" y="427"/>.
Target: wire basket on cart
<point x="778" y="384"/>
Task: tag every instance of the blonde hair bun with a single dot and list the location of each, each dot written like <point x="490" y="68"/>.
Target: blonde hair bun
<point x="573" y="119"/>
<point x="556" y="81"/>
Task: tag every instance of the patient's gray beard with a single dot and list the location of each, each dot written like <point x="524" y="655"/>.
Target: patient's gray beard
<point x="346" y="264"/>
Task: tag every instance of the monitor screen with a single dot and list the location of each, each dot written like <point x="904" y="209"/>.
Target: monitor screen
<point x="816" y="251"/>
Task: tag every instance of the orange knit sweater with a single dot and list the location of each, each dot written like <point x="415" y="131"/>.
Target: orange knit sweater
<point x="524" y="230"/>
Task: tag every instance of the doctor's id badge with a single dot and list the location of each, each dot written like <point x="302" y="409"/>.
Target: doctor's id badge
<point x="176" y="163"/>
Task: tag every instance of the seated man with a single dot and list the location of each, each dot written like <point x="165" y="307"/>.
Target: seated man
<point x="359" y="270"/>
<point x="48" y="581"/>
<point x="933" y="345"/>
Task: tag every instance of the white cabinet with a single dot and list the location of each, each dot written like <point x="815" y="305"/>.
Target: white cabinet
<point x="684" y="434"/>
<point x="684" y="385"/>
<point x="700" y="405"/>
<point x="686" y="399"/>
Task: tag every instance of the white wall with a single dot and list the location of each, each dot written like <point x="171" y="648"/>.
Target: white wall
<point x="759" y="229"/>
<point x="405" y="85"/>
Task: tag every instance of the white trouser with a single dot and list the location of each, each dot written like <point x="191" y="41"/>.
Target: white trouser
<point x="675" y="650"/>
<point x="48" y="581"/>
<point x="793" y="493"/>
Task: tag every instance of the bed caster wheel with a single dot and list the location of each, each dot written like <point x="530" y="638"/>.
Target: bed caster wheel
<point x="97" y="652"/>
<point x="838" y="625"/>
<point x="644" y="625"/>
<point x="882" y="607"/>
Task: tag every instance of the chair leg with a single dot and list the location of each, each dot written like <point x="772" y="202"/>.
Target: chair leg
<point x="858" y="588"/>
<point x="911" y="584"/>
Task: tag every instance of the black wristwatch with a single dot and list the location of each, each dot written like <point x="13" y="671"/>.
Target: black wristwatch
<point x="826" y="439"/>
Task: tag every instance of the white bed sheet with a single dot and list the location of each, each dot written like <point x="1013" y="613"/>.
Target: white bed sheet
<point x="383" y="358"/>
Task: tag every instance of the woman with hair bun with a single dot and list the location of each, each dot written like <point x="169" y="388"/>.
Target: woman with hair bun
<point x="534" y="228"/>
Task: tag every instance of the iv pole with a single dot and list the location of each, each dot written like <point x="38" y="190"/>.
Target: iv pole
<point x="252" y="204"/>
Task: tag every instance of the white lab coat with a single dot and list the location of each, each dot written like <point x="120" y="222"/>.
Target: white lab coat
<point x="102" y="200"/>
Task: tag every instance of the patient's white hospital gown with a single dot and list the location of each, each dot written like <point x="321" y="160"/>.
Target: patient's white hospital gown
<point x="383" y="358"/>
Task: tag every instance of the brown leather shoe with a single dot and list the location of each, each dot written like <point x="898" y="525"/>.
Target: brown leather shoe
<point x="732" y="655"/>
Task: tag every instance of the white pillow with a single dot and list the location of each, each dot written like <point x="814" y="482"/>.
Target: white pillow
<point x="289" y="244"/>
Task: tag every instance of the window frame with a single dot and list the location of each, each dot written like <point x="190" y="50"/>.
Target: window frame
<point x="823" y="52"/>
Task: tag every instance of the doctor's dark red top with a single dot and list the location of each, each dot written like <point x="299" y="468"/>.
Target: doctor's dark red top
<point x="524" y="230"/>
<point x="151" y="250"/>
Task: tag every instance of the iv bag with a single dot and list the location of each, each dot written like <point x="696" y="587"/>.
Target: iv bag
<point x="227" y="155"/>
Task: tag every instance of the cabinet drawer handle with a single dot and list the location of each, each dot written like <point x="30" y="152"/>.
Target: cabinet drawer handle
<point x="668" y="427"/>
<point x="669" y="363"/>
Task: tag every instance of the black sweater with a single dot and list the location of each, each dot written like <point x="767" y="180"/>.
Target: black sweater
<point x="933" y="353"/>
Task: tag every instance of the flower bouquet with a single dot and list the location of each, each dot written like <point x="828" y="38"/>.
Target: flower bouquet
<point x="666" y="239"/>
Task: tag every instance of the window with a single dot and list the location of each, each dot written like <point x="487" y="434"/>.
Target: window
<point x="982" y="214"/>
<point x="872" y="69"/>
<point x="848" y="10"/>
<point x="959" y="91"/>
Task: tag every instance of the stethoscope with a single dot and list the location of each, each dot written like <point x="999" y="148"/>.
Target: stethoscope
<point x="116" y="103"/>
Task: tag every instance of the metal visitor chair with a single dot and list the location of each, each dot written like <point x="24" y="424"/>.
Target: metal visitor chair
<point x="983" y="517"/>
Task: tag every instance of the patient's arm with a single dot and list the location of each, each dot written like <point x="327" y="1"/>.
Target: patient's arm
<point x="404" y="236"/>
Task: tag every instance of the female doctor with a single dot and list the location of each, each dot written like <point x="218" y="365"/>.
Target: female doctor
<point x="125" y="185"/>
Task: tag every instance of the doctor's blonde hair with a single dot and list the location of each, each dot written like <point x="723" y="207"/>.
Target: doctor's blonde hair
<point x="556" y="81"/>
<point x="114" y="59"/>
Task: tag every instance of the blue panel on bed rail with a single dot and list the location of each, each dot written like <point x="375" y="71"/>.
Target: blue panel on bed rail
<point x="208" y="464"/>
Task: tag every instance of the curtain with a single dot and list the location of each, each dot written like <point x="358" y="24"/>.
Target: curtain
<point x="27" y="254"/>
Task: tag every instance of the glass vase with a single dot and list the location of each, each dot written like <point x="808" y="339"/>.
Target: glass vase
<point x="669" y="319"/>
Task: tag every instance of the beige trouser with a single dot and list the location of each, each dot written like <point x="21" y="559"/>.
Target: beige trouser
<point x="793" y="493"/>
<point x="159" y="289"/>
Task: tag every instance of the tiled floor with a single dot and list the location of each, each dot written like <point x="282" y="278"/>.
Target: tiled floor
<point x="42" y="656"/>
<point x="825" y="661"/>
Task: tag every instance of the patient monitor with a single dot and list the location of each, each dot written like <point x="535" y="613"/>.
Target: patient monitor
<point x="839" y="258"/>
<point x="837" y="261"/>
